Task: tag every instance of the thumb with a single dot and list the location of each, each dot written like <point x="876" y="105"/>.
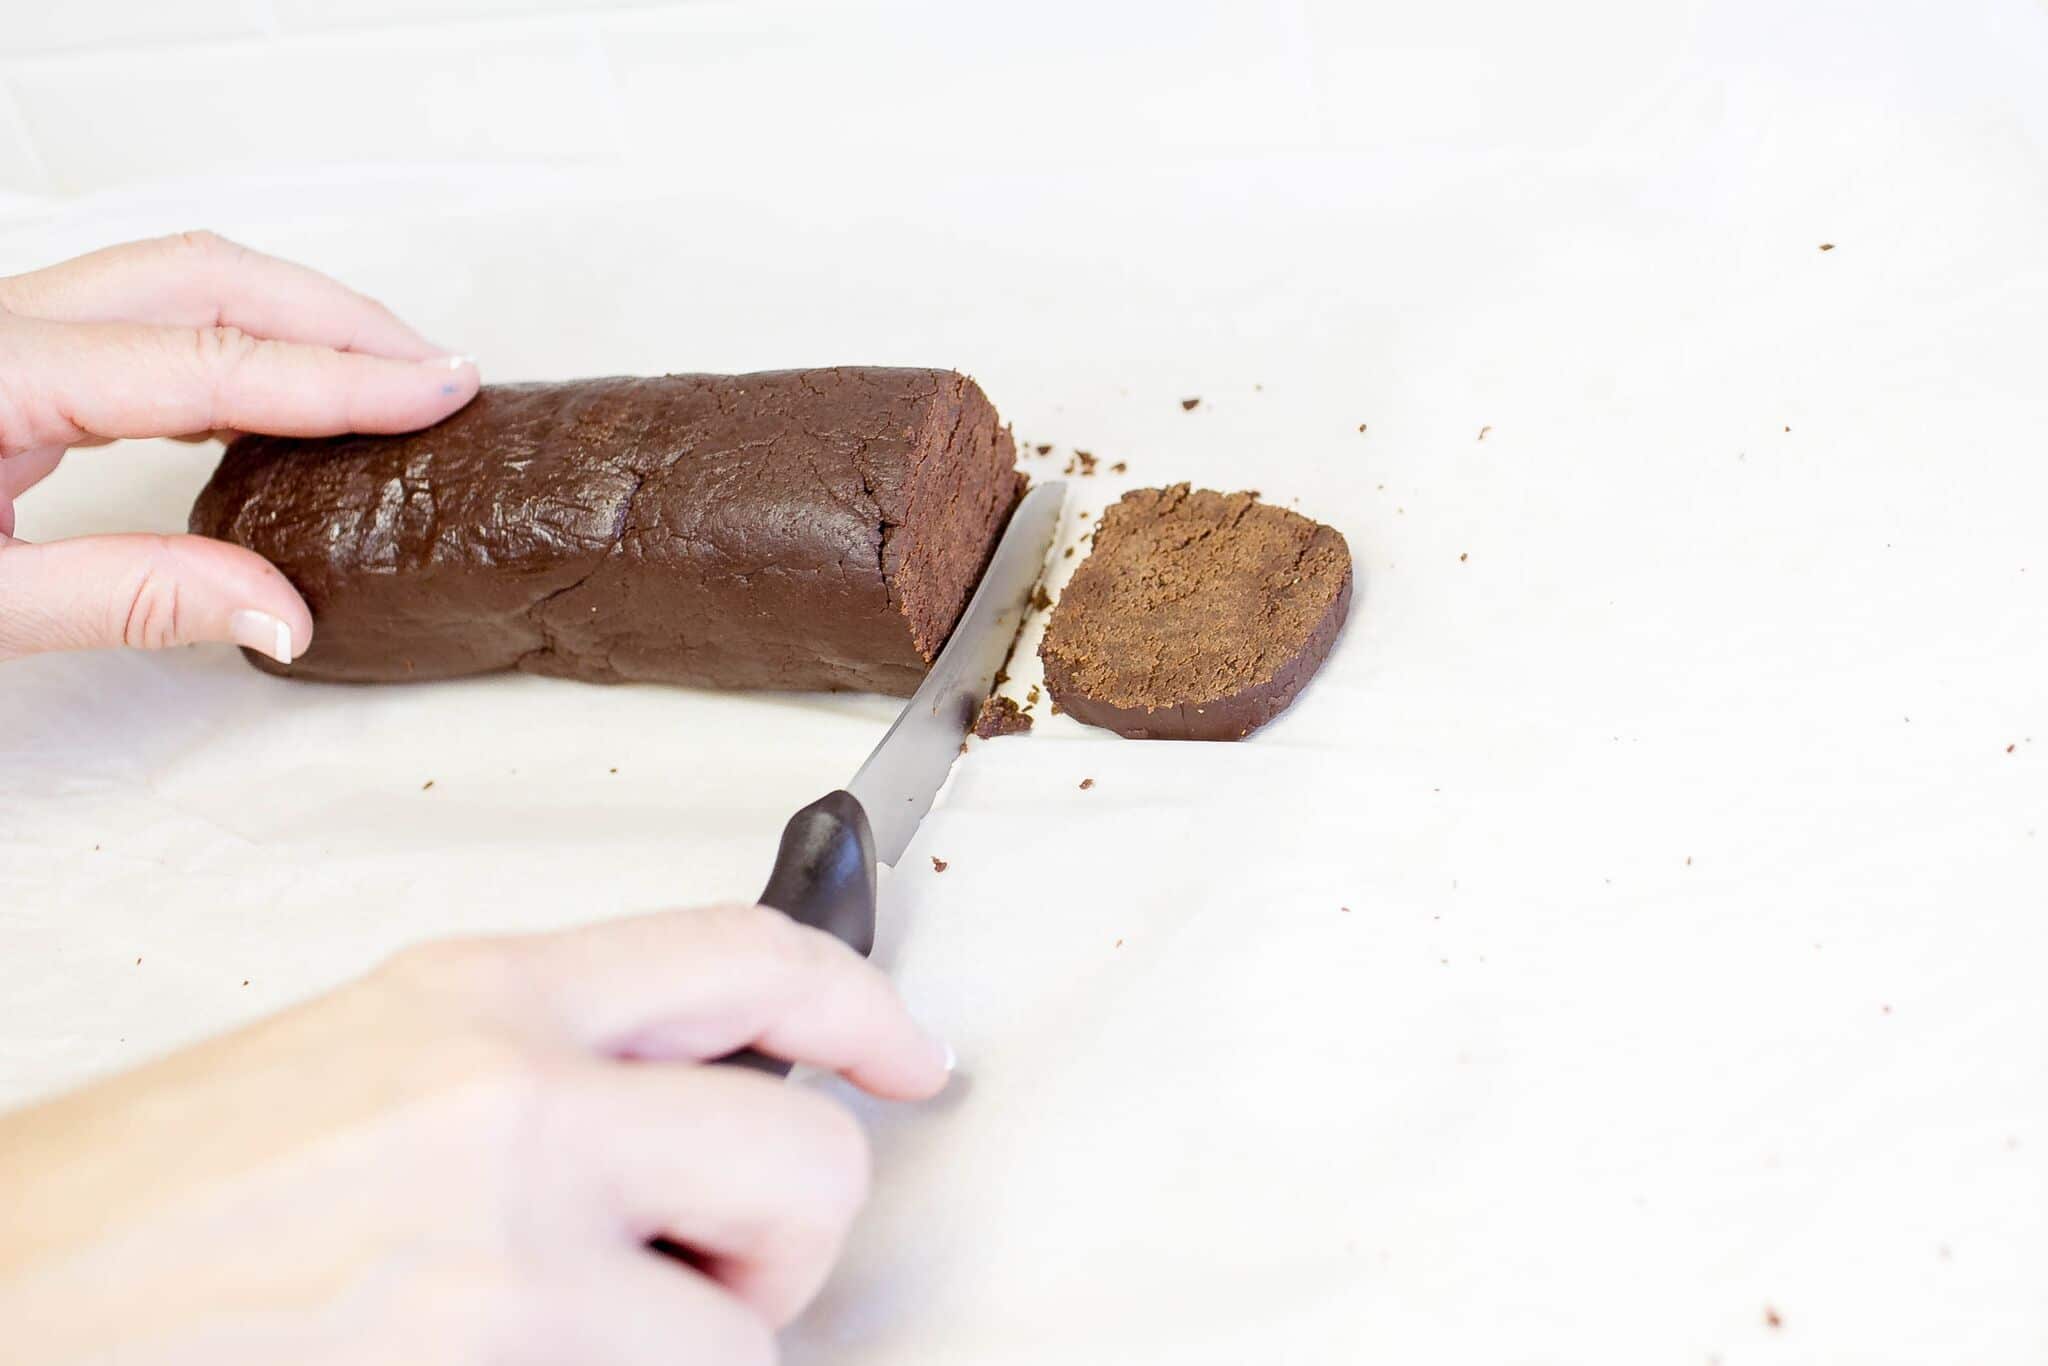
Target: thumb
<point x="148" y="592"/>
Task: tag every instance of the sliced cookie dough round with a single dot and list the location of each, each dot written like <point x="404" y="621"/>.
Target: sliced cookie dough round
<point x="1198" y="615"/>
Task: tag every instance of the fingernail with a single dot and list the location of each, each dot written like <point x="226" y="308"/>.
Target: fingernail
<point x="948" y="1059"/>
<point x="263" y="633"/>
<point x="449" y="362"/>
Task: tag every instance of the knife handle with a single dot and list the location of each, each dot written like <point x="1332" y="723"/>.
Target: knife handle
<point x="824" y="877"/>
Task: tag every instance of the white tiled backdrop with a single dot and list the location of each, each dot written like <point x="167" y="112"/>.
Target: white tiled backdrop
<point x="111" y="93"/>
<point x="104" y="94"/>
<point x="107" y="95"/>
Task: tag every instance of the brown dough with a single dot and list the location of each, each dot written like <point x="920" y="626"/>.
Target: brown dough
<point x="1197" y="616"/>
<point x="790" y="529"/>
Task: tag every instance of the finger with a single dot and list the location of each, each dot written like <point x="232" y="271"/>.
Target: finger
<point x="760" y="1181"/>
<point x="637" y="1307"/>
<point x="81" y="380"/>
<point x="21" y="472"/>
<point x="198" y="279"/>
<point x="148" y="592"/>
<point x="703" y="983"/>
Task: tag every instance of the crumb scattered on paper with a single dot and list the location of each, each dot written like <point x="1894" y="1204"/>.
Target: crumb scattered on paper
<point x="1000" y="716"/>
<point x="1483" y="431"/>
<point x="1771" y="1319"/>
<point x="427" y="784"/>
<point x="1827" y="246"/>
<point x="1188" y="405"/>
<point x="1086" y="783"/>
<point x="938" y="864"/>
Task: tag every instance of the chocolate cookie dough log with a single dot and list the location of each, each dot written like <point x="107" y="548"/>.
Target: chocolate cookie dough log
<point x="1197" y="615"/>
<point x="791" y="529"/>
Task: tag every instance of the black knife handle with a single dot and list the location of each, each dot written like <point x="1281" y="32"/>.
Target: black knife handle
<point x="824" y="877"/>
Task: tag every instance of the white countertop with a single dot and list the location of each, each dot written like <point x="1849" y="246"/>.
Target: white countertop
<point x="1638" y="926"/>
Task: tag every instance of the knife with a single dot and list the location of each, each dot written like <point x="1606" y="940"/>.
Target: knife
<point x="825" y="869"/>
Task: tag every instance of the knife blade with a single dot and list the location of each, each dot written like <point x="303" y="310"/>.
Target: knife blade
<point x="824" y="873"/>
<point x="897" y="784"/>
<point x="825" y="868"/>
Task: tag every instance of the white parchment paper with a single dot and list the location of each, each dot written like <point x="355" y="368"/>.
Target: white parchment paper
<point x="1637" y="929"/>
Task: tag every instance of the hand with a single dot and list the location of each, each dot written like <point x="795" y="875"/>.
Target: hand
<point x="463" y="1156"/>
<point x="184" y="337"/>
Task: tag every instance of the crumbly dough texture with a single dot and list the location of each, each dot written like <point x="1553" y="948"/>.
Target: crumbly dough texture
<point x="1197" y="616"/>
<point x="808" y="529"/>
<point x="1000" y="716"/>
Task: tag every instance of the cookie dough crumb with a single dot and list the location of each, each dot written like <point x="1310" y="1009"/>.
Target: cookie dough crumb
<point x="1000" y="716"/>
<point x="1771" y="1318"/>
<point x="1483" y="431"/>
<point x="1827" y="246"/>
<point x="1188" y="405"/>
<point x="938" y="864"/>
<point x="427" y="784"/>
<point x="1118" y="468"/>
<point x="1043" y="450"/>
<point x="1040" y="599"/>
<point x="1086" y="460"/>
<point x="1087" y="783"/>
